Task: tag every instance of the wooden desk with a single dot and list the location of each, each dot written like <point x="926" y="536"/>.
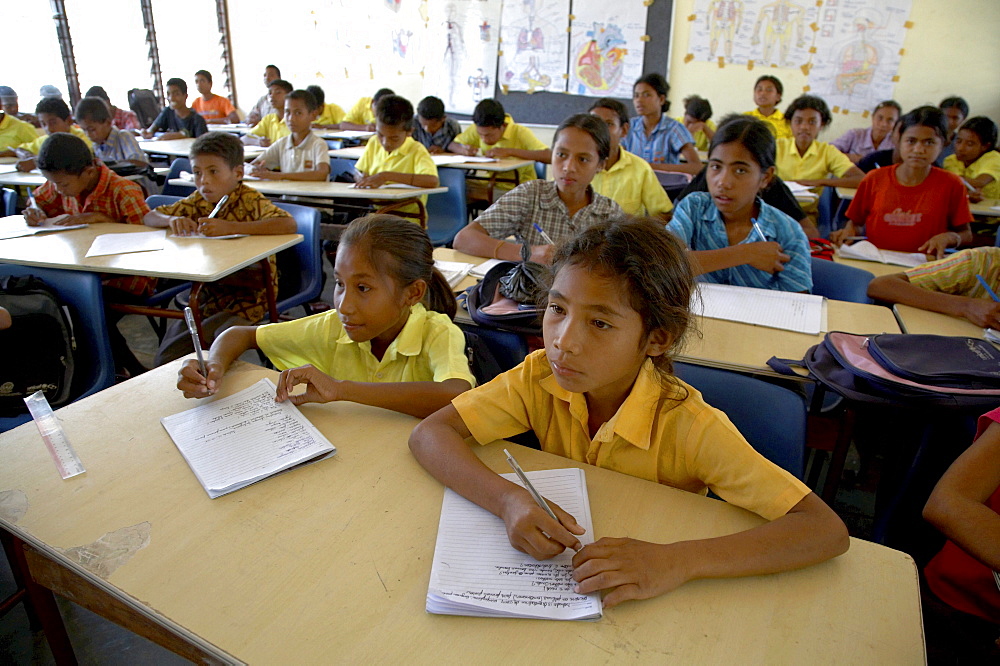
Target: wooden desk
<point x="915" y="320"/>
<point x="875" y="268"/>
<point x="34" y="178"/>
<point x="331" y="561"/>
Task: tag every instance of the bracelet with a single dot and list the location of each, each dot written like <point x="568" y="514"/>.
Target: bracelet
<point x="497" y="249"/>
<point x="958" y="238"/>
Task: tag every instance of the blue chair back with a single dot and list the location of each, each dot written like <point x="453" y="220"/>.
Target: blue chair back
<point x="446" y="212"/>
<point x="339" y="165"/>
<point x="540" y="170"/>
<point x="178" y="165"/>
<point x="94" y="367"/>
<point x="770" y="417"/>
<point x="840" y="281"/>
<point x="9" y="201"/>
<point x="300" y="266"/>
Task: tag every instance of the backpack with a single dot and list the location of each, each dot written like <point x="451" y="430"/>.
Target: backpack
<point x="145" y="105"/>
<point x="518" y="318"/>
<point x="37" y="350"/>
<point x="482" y="362"/>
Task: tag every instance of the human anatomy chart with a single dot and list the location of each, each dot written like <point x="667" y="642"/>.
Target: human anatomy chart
<point x="606" y="47"/>
<point x="533" y="45"/>
<point x="462" y="53"/>
<point x="767" y="32"/>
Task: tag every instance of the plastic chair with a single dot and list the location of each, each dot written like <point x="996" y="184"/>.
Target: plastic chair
<point x="300" y="266"/>
<point x="9" y="201"/>
<point x="339" y="165"/>
<point x="94" y="367"/>
<point x="446" y="212"/>
<point x="840" y="281"/>
<point x="163" y="296"/>
<point x="770" y="417"/>
<point x="178" y="165"/>
<point x="540" y="168"/>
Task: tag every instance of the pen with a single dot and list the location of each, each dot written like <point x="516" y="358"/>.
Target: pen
<point x="218" y="206"/>
<point x="527" y="485"/>
<point x="189" y="318"/>
<point x="756" y="227"/>
<point x="31" y="199"/>
<point x="545" y="236"/>
<point x="989" y="291"/>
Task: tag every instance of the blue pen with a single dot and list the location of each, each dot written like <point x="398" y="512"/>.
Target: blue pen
<point x="989" y="291"/>
<point x="545" y="236"/>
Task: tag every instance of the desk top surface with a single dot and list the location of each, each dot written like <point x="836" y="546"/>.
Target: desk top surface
<point x="334" y="558"/>
<point x="195" y="259"/>
<point x="182" y="148"/>
<point x="504" y="164"/>
<point x="329" y="189"/>
<point x="916" y="320"/>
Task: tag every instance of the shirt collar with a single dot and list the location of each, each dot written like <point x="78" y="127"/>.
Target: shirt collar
<point x="549" y="197"/>
<point x="103" y="182"/>
<point x="409" y="342"/>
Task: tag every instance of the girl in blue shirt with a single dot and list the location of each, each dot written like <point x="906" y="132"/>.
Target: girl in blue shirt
<point x="653" y="135"/>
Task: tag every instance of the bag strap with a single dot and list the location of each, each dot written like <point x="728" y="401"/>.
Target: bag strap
<point x="784" y="365"/>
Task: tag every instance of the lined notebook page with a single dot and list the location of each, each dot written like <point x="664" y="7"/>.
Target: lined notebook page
<point x="477" y="572"/>
<point x="238" y="440"/>
<point x="804" y="313"/>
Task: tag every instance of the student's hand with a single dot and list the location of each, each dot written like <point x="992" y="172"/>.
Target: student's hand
<point x="210" y="226"/>
<point x="767" y="257"/>
<point x="25" y="165"/>
<point x="258" y="170"/>
<point x="193" y="384"/>
<point x="34" y="216"/>
<point x="694" y="126"/>
<point x="374" y="180"/>
<point x="938" y="244"/>
<point x="974" y="195"/>
<point x="263" y="141"/>
<point x="320" y="387"/>
<point x="146" y="134"/>
<point x="533" y="531"/>
<point x="838" y="236"/>
<point x="982" y="312"/>
<point x="253" y="118"/>
<point x="183" y="226"/>
<point x="468" y="151"/>
<point x="499" y="153"/>
<point x="435" y="150"/>
<point x="629" y="569"/>
<point x="82" y="218"/>
<point x="542" y="254"/>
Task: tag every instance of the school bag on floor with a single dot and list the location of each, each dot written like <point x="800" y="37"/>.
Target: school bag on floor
<point x="36" y="352"/>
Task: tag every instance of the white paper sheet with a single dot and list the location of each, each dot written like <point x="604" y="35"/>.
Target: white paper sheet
<point x="15" y="226"/>
<point x="144" y="241"/>
<point x="803" y="313"/>
<point x="866" y="251"/>
<point x="453" y="271"/>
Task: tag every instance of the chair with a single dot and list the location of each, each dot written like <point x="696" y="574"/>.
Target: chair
<point x="178" y="165"/>
<point x="540" y="168"/>
<point x="840" y="281"/>
<point x="300" y="266"/>
<point x="94" y="367"/>
<point x="341" y="165"/>
<point x="9" y="201"/>
<point x="163" y="296"/>
<point x="446" y="212"/>
<point x="770" y="417"/>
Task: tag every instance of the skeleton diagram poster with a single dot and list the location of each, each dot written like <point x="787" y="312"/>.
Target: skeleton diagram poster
<point x="533" y="45"/>
<point x="606" y="47"/>
<point x="462" y="42"/>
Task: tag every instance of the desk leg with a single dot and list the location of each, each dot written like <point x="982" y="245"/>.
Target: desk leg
<point x="272" y="300"/>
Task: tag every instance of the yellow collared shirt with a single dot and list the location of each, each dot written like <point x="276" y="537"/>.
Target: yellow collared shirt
<point x="667" y="435"/>
<point x="700" y="138"/>
<point x="14" y="132"/>
<point x="35" y="145"/>
<point x="332" y="114"/>
<point x="411" y="157"/>
<point x="514" y="136"/>
<point x="632" y="184"/>
<point x="779" y="128"/>
<point x="988" y="163"/>
<point x="361" y="113"/>
<point x="271" y="127"/>
<point x="821" y="159"/>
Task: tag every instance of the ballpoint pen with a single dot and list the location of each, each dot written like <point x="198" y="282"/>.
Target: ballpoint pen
<point x="527" y="485"/>
<point x="196" y="339"/>
<point x="545" y="236"/>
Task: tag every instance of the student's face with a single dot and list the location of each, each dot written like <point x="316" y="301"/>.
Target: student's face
<point x="646" y="100"/>
<point x="574" y="160"/>
<point x="53" y="123"/>
<point x="370" y="303"/>
<point x="176" y="97"/>
<point x="489" y="136"/>
<point x="615" y="127"/>
<point x="298" y="117"/>
<point x="276" y="95"/>
<point x="884" y="119"/>
<point x="806" y="124"/>
<point x="214" y="178"/>
<point x="968" y="146"/>
<point x="270" y="74"/>
<point x="954" y="117"/>
<point x="734" y="179"/>
<point x="390" y="136"/>
<point x="203" y="84"/>
<point x="97" y="131"/>
<point x="9" y="105"/>
<point x="593" y="338"/>
<point x="72" y="185"/>
<point x="430" y="125"/>
<point x="766" y="94"/>
<point x="919" y="146"/>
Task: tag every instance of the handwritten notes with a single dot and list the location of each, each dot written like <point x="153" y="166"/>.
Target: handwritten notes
<point x="477" y="572"/>
<point x="235" y="441"/>
<point x="803" y="313"/>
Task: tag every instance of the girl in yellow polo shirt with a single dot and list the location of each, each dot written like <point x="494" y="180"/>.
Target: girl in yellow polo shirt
<point x="602" y="392"/>
<point x="976" y="160"/>
<point x="390" y="342"/>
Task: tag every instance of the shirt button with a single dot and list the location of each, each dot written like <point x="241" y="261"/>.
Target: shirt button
<point x="378" y="375"/>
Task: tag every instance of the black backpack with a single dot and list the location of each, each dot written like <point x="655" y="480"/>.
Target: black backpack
<point x="36" y="352"/>
<point x="526" y="322"/>
<point x="145" y="105"/>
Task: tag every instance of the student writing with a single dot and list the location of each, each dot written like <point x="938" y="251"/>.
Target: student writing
<point x="602" y="392"/>
<point x="653" y="135"/>
<point x="110" y="143"/>
<point x="434" y="129"/>
<point x="54" y="116"/>
<point x="330" y="114"/>
<point x="390" y="342"/>
<point x="976" y="160"/>
<point x="300" y="155"/>
<point x="361" y="116"/>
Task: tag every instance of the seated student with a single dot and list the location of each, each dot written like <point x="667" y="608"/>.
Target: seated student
<point x="88" y="192"/>
<point x="9" y="105"/>
<point x="955" y="110"/>
<point x="949" y="285"/>
<point x="860" y="142"/>
<point x="217" y="162"/>
<point x="602" y="392"/>
<point x="301" y="155"/>
<point x="805" y="160"/>
<point x="976" y="160"/>
<point x="733" y="236"/>
<point x="123" y="119"/>
<point x="395" y="157"/>
<point x="215" y="109"/>
<point x="271" y="127"/>
<point x="961" y="596"/>
<point x="697" y="119"/>
<point x="499" y="136"/>
<point x="176" y="121"/>
<point x="263" y="106"/>
<point x="54" y="116"/>
<point x="560" y="207"/>
<point x="767" y="92"/>
<point x="110" y="144"/>
<point x="912" y="206"/>
<point x="14" y="132"/>
<point x="390" y="342"/>
<point x="653" y="135"/>
<point x="626" y="178"/>
<point x="361" y="117"/>
<point x="330" y="114"/>
<point x="434" y="129"/>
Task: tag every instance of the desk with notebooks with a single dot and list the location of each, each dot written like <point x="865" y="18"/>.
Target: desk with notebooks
<point x="916" y="320"/>
<point x="332" y="560"/>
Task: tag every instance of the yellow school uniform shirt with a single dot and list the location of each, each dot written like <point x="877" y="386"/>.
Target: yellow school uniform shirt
<point x="272" y="127"/>
<point x="35" y="145"/>
<point x="701" y="140"/>
<point x="632" y="184"/>
<point x="956" y="274"/>
<point x="411" y="157"/>
<point x="667" y="435"/>
<point x="332" y="115"/>
<point x="514" y="136"/>
<point x="14" y="132"/>
<point x="820" y="160"/>
<point x="361" y="113"/>
<point x="988" y="163"/>
<point x="776" y="121"/>
<point x="430" y="348"/>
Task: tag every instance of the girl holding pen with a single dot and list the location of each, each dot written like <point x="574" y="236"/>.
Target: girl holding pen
<point x="733" y="236"/>
<point x="547" y="213"/>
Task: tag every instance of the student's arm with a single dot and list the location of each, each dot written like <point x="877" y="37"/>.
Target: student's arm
<point x="321" y="172"/>
<point x="838" y="236"/>
<point x="462" y="149"/>
<point x="178" y="224"/>
<point x="631" y="569"/>
<point x="370" y="127"/>
<point x="383" y="177"/>
<point x="768" y="257"/>
<point x="233" y="117"/>
<point x="438" y="444"/>
<point x="897" y="288"/>
<point x="937" y="244"/>
<point x="692" y="165"/>
<point x="536" y="155"/>
<point x="255" y="140"/>
<point x="851" y="178"/>
<point x="268" y="226"/>
<point x="227" y="348"/>
<point x="957" y="505"/>
<point x="418" y="399"/>
<point x="168" y="136"/>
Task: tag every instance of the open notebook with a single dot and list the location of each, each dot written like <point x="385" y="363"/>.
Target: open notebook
<point x="790" y="311"/>
<point x="866" y="251"/>
<point x="453" y="271"/>
<point x="477" y="572"/>
<point x="233" y="442"/>
<point x="14" y="226"/>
